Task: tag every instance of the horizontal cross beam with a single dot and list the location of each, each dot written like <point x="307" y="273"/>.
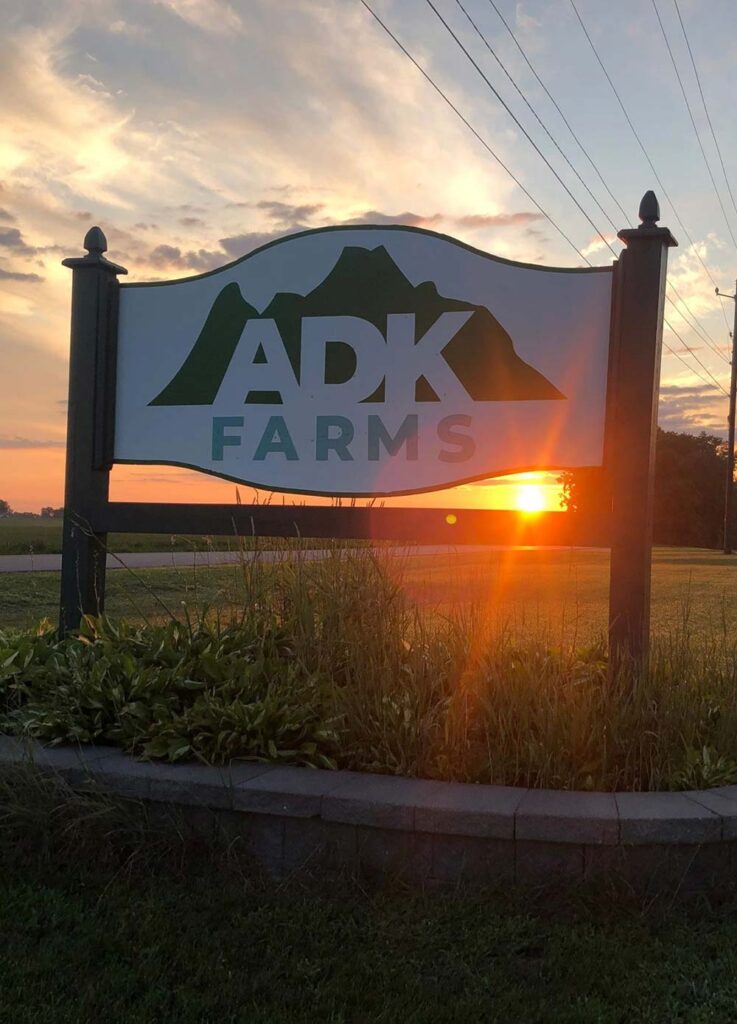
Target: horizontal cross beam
<point x="407" y="525"/>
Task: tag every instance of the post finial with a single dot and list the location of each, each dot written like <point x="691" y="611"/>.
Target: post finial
<point x="96" y="245"/>
<point x="649" y="212"/>
<point x="95" y="242"/>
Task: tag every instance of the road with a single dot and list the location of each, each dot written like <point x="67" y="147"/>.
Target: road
<point x="171" y="559"/>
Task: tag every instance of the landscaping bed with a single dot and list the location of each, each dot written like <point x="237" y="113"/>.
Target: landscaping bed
<point x="331" y="665"/>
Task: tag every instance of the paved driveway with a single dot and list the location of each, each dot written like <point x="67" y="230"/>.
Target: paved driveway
<point x="163" y="559"/>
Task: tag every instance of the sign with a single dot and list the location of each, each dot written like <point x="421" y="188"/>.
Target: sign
<point x="370" y="361"/>
<point x="365" y="361"/>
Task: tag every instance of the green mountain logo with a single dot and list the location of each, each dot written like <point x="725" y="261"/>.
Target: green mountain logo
<point x="364" y="283"/>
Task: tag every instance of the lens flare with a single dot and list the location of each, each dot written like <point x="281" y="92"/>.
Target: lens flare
<point x="530" y="498"/>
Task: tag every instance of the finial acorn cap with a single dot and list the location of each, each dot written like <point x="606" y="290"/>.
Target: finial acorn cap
<point x="649" y="210"/>
<point x="95" y="242"/>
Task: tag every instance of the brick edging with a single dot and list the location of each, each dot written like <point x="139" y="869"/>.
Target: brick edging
<point x="558" y="831"/>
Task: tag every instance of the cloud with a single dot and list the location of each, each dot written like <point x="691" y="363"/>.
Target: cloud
<point x="498" y="220"/>
<point x="286" y="213"/>
<point x="411" y="220"/>
<point x="692" y="408"/>
<point x="191" y="222"/>
<point x="11" y="238"/>
<point x="604" y="245"/>
<point x="687" y="391"/>
<point x="525" y="21"/>
<point x="212" y="16"/>
<point x="125" y="28"/>
<point x="6" y="216"/>
<point x="239" y="245"/>
<point x="291" y="218"/>
<point x="171" y="256"/>
<point x="29" y="442"/>
<point x="15" y="275"/>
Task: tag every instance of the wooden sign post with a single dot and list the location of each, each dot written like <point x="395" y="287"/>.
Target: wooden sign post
<point x="370" y="361"/>
<point x="89" y="430"/>
<point x="639" y="295"/>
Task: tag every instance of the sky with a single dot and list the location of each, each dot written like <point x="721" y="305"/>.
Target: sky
<point x="193" y="131"/>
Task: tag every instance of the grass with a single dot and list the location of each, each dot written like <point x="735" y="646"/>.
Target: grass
<point x="106" y="914"/>
<point x="43" y="536"/>
<point x="339" y="663"/>
<point x="561" y="593"/>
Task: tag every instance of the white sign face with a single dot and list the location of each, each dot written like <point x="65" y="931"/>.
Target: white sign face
<point x="365" y="361"/>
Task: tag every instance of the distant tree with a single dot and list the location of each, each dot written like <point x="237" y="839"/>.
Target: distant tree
<point x="5" y="509"/>
<point x="49" y="512"/>
<point x="583" y="490"/>
<point x="690" y="475"/>
<point x="690" y="472"/>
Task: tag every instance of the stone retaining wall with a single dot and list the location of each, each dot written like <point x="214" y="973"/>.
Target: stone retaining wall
<point x="289" y="818"/>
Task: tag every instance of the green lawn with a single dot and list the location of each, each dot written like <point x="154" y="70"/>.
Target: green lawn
<point x="561" y="593"/>
<point x="80" y="946"/>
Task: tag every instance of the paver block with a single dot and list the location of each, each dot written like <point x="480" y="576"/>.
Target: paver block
<point x="542" y="862"/>
<point x="123" y="775"/>
<point x="72" y="762"/>
<point x="14" y="750"/>
<point x="457" y="859"/>
<point x="391" y="854"/>
<point x="655" y="868"/>
<point x="665" y="818"/>
<point x="312" y="845"/>
<point x="722" y="801"/>
<point x="53" y="759"/>
<point x="259" y="836"/>
<point x="460" y="809"/>
<point x="287" y="791"/>
<point x="76" y="764"/>
<point x="190" y="784"/>
<point x="379" y="801"/>
<point x="562" y="816"/>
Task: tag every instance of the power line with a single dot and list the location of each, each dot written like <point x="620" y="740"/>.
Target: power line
<point x="562" y="115"/>
<point x="535" y="114"/>
<point x="693" y="122"/>
<point x="690" y="368"/>
<point x="470" y="127"/>
<point x="641" y="144"/>
<point x="691" y="351"/>
<point x="696" y="325"/>
<point x="467" y="123"/>
<point x="706" y="108"/>
<point x="483" y="38"/>
<point x="519" y="124"/>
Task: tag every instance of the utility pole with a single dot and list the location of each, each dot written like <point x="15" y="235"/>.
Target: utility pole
<point x="729" y="489"/>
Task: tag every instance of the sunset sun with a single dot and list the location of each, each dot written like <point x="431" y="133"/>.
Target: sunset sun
<point x="530" y="498"/>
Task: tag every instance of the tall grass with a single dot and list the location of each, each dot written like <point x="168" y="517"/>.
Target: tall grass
<point x="326" y="662"/>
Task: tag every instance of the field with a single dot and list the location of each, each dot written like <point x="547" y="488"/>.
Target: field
<point x="561" y="595"/>
<point x="43" y="536"/>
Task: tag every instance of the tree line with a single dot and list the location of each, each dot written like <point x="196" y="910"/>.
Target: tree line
<point x="690" y="481"/>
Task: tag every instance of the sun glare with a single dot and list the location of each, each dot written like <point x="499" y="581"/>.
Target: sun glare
<point x="530" y="498"/>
